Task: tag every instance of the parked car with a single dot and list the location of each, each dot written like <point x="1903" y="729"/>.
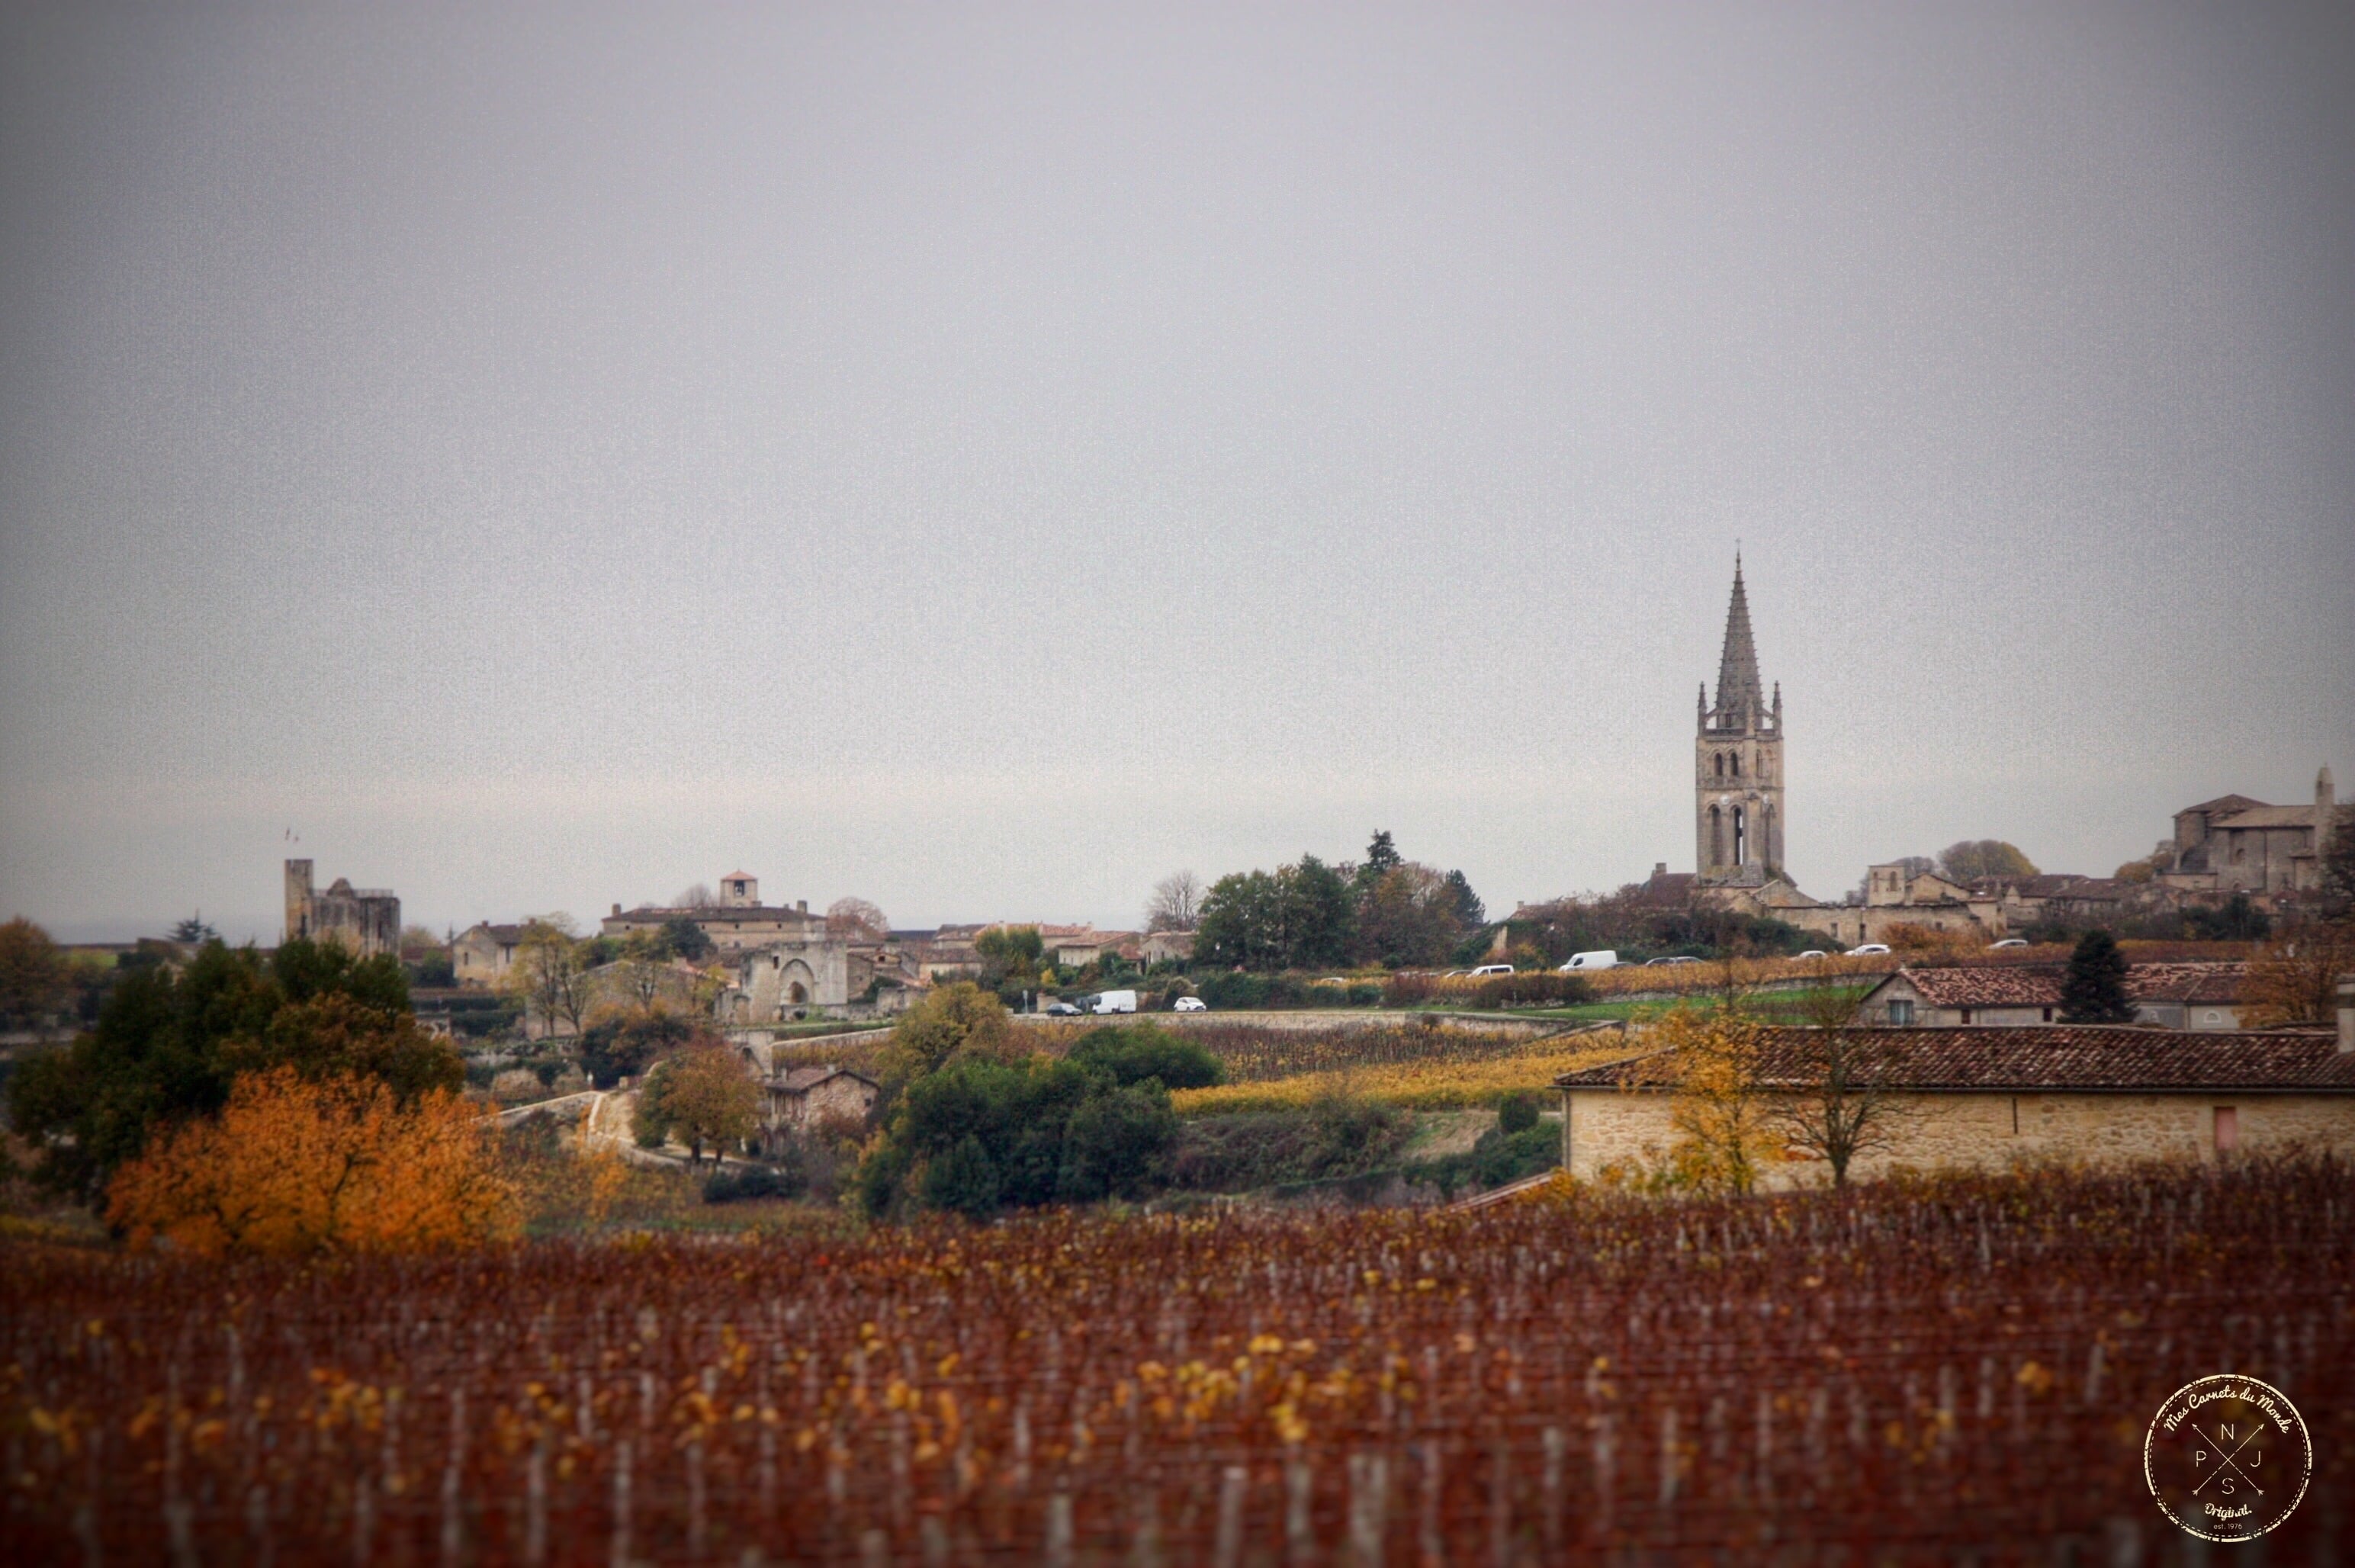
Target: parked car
<point x="1486" y="969"/>
<point x="1113" y="1002"/>
<point x="1601" y="958"/>
<point x="1870" y="949"/>
<point x="1814" y="952"/>
<point x="1061" y="1010"/>
<point x="1657" y="962"/>
<point x="2008" y="941"/>
<point x="1189" y="1005"/>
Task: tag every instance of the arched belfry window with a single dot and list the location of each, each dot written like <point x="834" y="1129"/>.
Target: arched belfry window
<point x="1737" y="764"/>
<point x="1721" y="764"/>
<point x="1716" y="836"/>
<point x="1741" y="837"/>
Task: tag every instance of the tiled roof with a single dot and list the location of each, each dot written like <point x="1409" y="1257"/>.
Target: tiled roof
<point x="2268" y="816"/>
<point x="2221" y="802"/>
<point x="2038" y="1059"/>
<point x="2089" y="889"/>
<point x="802" y="1080"/>
<point x="2038" y="986"/>
<point x="1672" y="889"/>
<point x="496" y="932"/>
<point x="2011" y="986"/>
<point x="2186" y="982"/>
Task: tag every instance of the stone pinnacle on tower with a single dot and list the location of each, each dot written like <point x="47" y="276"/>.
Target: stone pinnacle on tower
<point x="1740" y="702"/>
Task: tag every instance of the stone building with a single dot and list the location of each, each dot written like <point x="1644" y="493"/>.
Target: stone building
<point x="2235" y="844"/>
<point x="803" y="1099"/>
<point x="1738" y="763"/>
<point x="2185" y="995"/>
<point x="738" y="922"/>
<point x="483" y="953"/>
<point x="1989" y="1098"/>
<point x="363" y="921"/>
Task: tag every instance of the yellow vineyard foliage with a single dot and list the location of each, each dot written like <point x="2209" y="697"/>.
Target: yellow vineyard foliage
<point x="294" y="1167"/>
<point x="1434" y="1085"/>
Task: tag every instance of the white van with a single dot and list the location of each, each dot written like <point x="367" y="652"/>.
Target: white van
<point x="1113" y="1002"/>
<point x="1486" y="969"/>
<point x="1602" y="958"/>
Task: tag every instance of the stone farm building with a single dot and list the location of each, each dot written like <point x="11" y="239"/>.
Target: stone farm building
<point x="1990" y="1097"/>
<point x="2186" y="995"/>
<point x="800" y="1099"/>
<point x="483" y="953"/>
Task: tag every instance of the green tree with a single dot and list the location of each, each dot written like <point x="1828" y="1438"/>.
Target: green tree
<point x="33" y="976"/>
<point x="1470" y="912"/>
<point x="1118" y="1144"/>
<point x="1518" y="1113"/>
<point x="1381" y="855"/>
<point x="194" y="930"/>
<point x="1408" y="915"/>
<point x="1132" y="1053"/>
<point x="1974" y="859"/>
<point x="627" y="1045"/>
<point x="2093" y="991"/>
<point x="704" y="1096"/>
<point x="963" y="1180"/>
<point x="953" y="1023"/>
<point x="167" y="1045"/>
<point x="683" y="938"/>
<point x="1012" y="956"/>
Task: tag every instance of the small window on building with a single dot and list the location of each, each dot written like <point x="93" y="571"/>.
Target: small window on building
<point x="2228" y="1129"/>
<point x="1967" y="1015"/>
<point x="2048" y="1015"/>
<point x="1901" y="1011"/>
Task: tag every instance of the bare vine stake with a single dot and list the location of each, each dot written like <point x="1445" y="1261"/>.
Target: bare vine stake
<point x="535" y="1517"/>
<point x="362" y="1521"/>
<point x="1058" y="1529"/>
<point x="1669" y="1456"/>
<point x="1500" y="1499"/>
<point x="1229" y="1548"/>
<point x="1370" y="1482"/>
<point x="1433" y="1547"/>
<point x="454" y="1532"/>
<point x="622" y="1504"/>
<point x="1147" y="1551"/>
<point x="1299" y="1522"/>
<point x="1554" y="1448"/>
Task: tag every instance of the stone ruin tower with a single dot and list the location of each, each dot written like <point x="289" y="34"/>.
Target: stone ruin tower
<point x="1738" y="763"/>
<point x="363" y="921"/>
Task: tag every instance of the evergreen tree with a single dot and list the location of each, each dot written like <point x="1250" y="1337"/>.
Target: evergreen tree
<point x="963" y="1180"/>
<point x="1381" y="854"/>
<point x="2095" y="990"/>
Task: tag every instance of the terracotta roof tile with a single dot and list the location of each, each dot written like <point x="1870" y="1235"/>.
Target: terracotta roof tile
<point x="2044" y="1058"/>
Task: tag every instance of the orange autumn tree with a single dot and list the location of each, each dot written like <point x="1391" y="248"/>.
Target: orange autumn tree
<point x="292" y="1167"/>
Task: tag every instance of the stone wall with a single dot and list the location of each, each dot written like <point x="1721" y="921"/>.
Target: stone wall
<point x="1992" y="1130"/>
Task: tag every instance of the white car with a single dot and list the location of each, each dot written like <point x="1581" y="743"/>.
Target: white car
<point x="1486" y="969"/>
<point x="1814" y="952"/>
<point x="1663" y="962"/>
<point x="1870" y="950"/>
<point x="2008" y="941"/>
<point x="1601" y="958"/>
<point x="1189" y="1005"/>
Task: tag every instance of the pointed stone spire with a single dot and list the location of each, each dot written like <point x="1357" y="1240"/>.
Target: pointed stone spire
<point x="1740" y="702"/>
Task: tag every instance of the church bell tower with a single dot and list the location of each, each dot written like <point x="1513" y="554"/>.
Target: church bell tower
<point x="1738" y="763"/>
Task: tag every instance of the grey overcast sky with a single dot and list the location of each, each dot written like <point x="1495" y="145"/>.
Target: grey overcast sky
<point x="983" y="458"/>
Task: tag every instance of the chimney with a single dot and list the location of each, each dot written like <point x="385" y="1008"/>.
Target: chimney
<point x="802" y="905"/>
<point x="617" y="912"/>
<point x="1659" y="869"/>
<point x="2347" y="1014"/>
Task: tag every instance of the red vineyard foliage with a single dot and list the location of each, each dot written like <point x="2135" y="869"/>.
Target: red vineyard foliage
<point x="1940" y="1372"/>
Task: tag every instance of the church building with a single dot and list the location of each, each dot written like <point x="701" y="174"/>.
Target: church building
<point x="1738" y="764"/>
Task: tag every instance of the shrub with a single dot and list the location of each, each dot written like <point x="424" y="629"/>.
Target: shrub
<point x="746" y="1183"/>
<point x="953" y="1023"/>
<point x="626" y="1045"/>
<point x="963" y="1181"/>
<point x="1118" y="1146"/>
<point x="1131" y="1053"/>
<point x="1518" y="1113"/>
